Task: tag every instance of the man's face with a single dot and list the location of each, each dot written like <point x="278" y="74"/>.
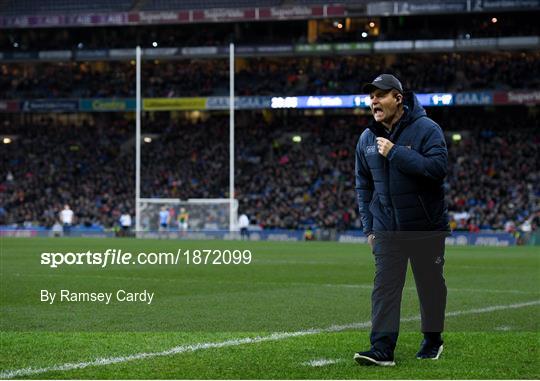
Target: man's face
<point x="383" y="105"/>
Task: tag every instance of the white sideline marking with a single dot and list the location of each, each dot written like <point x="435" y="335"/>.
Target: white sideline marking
<point x="492" y="290"/>
<point x="503" y="328"/>
<point x="488" y="290"/>
<point x="229" y="343"/>
<point x="321" y="362"/>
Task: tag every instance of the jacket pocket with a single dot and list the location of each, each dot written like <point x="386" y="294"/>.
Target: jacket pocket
<point x="382" y="218"/>
<point x="426" y="212"/>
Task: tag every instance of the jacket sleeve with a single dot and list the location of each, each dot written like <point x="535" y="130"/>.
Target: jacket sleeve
<point x="364" y="190"/>
<point x="431" y="163"/>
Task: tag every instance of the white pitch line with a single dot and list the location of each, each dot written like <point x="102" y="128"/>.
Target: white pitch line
<point x="321" y="362"/>
<point x="492" y="290"/>
<point x="488" y="290"/>
<point x="235" y="342"/>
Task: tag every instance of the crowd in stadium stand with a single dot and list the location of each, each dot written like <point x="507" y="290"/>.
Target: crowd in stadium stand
<point x="493" y="180"/>
<point x="291" y="76"/>
<point x="50" y="163"/>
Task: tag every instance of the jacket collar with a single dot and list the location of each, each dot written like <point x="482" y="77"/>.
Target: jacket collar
<point x="381" y="132"/>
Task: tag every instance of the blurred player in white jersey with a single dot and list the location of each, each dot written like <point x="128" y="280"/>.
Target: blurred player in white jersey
<point x="125" y="223"/>
<point x="243" y="224"/>
<point x="66" y="216"/>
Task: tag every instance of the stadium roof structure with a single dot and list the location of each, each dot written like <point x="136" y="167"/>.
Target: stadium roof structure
<point x="354" y="7"/>
<point x="33" y="7"/>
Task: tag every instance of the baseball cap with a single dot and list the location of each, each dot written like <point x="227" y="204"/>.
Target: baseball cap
<point x="383" y="82"/>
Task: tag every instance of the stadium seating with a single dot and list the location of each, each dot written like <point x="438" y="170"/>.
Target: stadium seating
<point x="87" y="159"/>
<point x="286" y="76"/>
<point x="279" y="184"/>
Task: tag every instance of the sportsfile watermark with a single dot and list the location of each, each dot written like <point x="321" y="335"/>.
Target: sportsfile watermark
<point x="230" y="286"/>
<point x="119" y="257"/>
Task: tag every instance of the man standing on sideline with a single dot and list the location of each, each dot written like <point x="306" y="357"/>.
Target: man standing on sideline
<point x="401" y="163"/>
<point x="125" y="223"/>
<point x="66" y="216"/>
<point x="243" y="224"/>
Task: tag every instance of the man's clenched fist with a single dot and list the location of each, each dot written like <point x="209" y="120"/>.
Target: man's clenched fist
<point x="384" y="146"/>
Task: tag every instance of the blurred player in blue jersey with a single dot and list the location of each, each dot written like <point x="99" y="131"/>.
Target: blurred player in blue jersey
<point x="163" y="219"/>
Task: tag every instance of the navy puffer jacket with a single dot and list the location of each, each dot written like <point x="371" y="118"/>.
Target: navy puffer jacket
<point x="403" y="192"/>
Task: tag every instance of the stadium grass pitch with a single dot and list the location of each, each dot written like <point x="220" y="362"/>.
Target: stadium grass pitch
<point x="299" y="310"/>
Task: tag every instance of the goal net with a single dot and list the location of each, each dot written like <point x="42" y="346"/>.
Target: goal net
<point x="193" y="215"/>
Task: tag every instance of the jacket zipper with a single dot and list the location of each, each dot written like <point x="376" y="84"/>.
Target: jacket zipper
<point x="425" y="209"/>
<point x="394" y="216"/>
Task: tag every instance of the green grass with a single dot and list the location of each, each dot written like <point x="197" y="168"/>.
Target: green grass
<point x="288" y="287"/>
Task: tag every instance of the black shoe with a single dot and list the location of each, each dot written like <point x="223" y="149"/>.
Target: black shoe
<point x="430" y="350"/>
<point x="374" y="357"/>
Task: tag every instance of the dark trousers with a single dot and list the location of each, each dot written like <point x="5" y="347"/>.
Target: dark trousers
<point x="244" y="233"/>
<point x="392" y="253"/>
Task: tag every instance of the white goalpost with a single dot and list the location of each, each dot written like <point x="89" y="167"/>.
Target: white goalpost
<point x="138" y="107"/>
<point x="232" y="221"/>
<point x="215" y="214"/>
